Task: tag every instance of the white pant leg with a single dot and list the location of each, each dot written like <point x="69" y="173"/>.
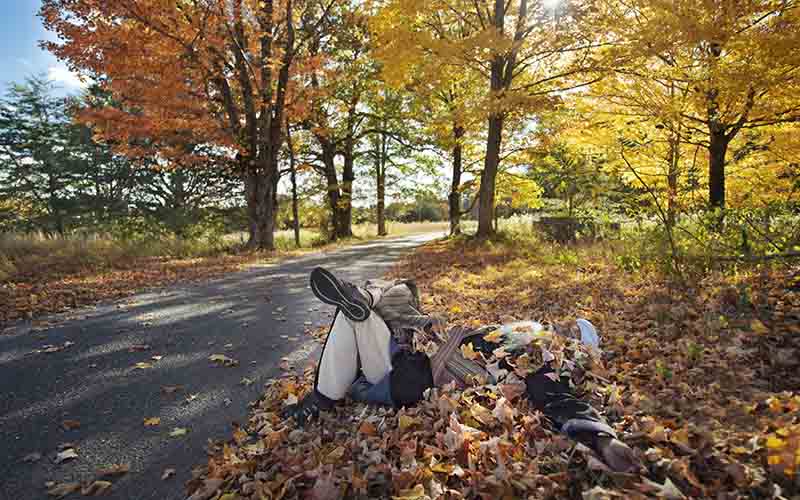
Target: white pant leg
<point x="373" y="338"/>
<point x="347" y="342"/>
<point x="338" y="364"/>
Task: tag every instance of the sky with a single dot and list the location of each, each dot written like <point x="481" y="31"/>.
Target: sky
<point x="20" y="55"/>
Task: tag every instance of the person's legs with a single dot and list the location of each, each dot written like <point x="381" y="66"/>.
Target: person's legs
<point x="347" y="343"/>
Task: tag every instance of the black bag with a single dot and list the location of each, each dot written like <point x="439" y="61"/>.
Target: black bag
<point x="411" y="376"/>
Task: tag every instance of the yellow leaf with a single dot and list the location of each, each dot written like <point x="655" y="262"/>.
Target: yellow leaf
<point x="405" y="422"/>
<point x="456" y="310"/>
<point x="758" y="327"/>
<point x="239" y="436"/>
<point x="469" y="352"/>
<point x="178" y="432"/>
<point x="494" y="337"/>
<point x="783" y="432"/>
<point x="152" y="421"/>
<point x="142" y="366"/>
<point x="774" y="443"/>
<point x="416" y="493"/>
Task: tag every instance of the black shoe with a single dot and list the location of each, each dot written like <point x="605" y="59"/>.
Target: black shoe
<point x="346" y="296"/>
<point x="308" y="409"/>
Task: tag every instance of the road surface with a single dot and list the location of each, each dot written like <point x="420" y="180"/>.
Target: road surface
<point x="256" y="317"/>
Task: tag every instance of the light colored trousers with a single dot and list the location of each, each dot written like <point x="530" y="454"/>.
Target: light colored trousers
<point x="350" y="345"/>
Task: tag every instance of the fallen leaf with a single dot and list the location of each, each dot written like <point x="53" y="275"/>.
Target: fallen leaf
<point x="178" y="432"/>
<point x="32" y="457"/>
<point x="170" y="389"/>
<point x="469" y="352"/>
<point x="168" y="473"/>
<point x="156" y="358"/>
<point x="246" y="382"/>
<point x="415" y="493"/>
<point x="494" y="337"/>
<point x="142" y="365"/>
<point x="152" y="421"/>
<point x="207" y="490"/>
<point x="367" y="428"/>
<point x="96" y="488"/>
<point x="68" y="454"/>
<point x="68" y="425"/>
<point x="758" y="327"/>
<point x="223" y="360"/>
<point x="113" y="471"/>
<point x="63" y="489"/>
<point x="406" y="421"/>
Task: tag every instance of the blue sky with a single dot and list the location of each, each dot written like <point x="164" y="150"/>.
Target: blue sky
<point x="20" y="55"/>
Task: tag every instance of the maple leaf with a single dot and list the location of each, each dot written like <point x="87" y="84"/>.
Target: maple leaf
<point x="152" y="421"/>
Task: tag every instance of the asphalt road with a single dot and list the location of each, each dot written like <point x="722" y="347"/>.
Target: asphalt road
<point x="256" y="317"/>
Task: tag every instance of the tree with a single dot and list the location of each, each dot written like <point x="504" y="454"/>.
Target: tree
<point x="738" y="63"/>
<point x="526" y="54"/>
<point x="214" y="72"/>
<point x="38" y="165"/>
<point x="337" y="116"/>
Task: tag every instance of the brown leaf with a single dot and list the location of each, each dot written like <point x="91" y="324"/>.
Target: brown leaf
<point x="168" y="473"/>
<point x="63" y="489"/>
<point x="113" y="471"/>
<point x="152" y="421"/>
<point x="207" y="489"/>
<point x="96" y="488"/>
<point x="68" y="425"/>
<point x="367" y="428"/>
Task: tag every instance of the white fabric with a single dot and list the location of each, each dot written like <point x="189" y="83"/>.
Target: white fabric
<point x="347" y="342"/>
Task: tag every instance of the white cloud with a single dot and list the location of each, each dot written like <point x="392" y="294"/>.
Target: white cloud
<point x="61" y="74"/>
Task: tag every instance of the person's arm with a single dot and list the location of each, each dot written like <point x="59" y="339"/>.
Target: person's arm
<point x="577" y="419"/>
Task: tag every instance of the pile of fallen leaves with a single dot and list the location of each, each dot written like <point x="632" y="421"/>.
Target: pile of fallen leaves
<point x="702" y="382"/>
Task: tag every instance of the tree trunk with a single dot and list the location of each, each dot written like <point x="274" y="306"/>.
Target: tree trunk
<point x="672" y="181"/>
<point x="346" y="204"/>
<point x="455" y="195"/>
<point x="489" y="176"/>
<point x="382" y="202"/>
<point x="293" y="178"/>
<point x="716" y="169"/>
<point x="260" y="209"/>
<point x="380" y="171"/>
<point x="332" y="195"/>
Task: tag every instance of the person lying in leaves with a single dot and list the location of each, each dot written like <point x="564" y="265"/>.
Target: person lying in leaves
<point x="369" y="354"/>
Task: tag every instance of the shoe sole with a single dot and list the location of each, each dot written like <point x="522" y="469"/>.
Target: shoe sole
<point x="328" y="289"/>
